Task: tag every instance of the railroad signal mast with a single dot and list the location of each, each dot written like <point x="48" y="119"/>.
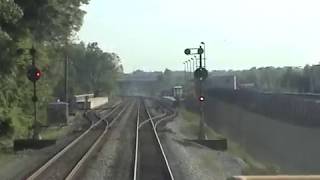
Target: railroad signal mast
<point x="34" y="75"/>
<point x="200" y="74"/>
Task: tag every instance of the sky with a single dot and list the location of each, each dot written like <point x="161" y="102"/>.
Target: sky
<point x="151" y="35"/>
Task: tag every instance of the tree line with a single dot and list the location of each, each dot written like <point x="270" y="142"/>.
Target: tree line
<point x="50" y="26"/>
<point x="271" y="79"/>
<point x="284" y="79"/>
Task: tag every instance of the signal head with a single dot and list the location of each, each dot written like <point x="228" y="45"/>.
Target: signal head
<point x="187" y="51"/>
<point x="33" y="74"/>
<point x="200" y="50"/>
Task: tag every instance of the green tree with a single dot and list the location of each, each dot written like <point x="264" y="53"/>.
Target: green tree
<point x="47" y="25"/>
<point x="91" y="70"/>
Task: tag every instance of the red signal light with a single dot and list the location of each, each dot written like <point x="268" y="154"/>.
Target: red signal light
<point x="33" y="73"/>
<point x="38" y="74"/>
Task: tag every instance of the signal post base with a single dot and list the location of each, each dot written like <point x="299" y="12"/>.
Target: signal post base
<point x="23" y="144"/>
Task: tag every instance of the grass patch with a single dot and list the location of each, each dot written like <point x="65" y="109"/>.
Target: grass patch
<point x="6" y="151"/>
<point x="6" y="144"/>
<point x="53" y="133"/>
<point x="254" y="167"/>
<point x="5" y="158"/>
<point x="190" y="126"/>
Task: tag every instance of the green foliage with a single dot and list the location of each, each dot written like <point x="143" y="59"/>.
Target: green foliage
<point x="13" y="108"/>
<point x="168" y="79"/>
<point x="286" y="79"/>
<point x="90" y="70"/>
<point x="10" y="13"/>
<point x="49" y="20"/>
<point x="49" y="26"/>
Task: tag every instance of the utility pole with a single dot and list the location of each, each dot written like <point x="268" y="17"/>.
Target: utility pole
<point x="193" y="66"/>
<point x="190" y="69"/>
<point x="185" y="72"/>
<point x="66" y="77"/>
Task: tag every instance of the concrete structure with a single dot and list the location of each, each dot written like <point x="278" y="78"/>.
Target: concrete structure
<point x="81" y="101"/>
<point x="82" y="97"/>
<point x="97" y="101"/>
<point x="88" y="101"/>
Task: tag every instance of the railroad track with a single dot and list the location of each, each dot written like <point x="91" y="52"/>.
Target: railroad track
<point x="67" y="163"/>
<point x="150" y="161"/>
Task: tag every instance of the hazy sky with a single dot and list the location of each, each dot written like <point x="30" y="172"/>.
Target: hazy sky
<point x="152" y="34"/>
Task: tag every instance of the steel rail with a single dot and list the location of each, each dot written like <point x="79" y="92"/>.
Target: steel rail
<point x="159" y="143"/>
<point x="136" y="145"/>
<point x="53" y="159"/>
<point x="86" y="156"/>
<point x="147" y="120"/>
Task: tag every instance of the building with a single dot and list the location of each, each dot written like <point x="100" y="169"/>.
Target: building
<point x="177" y="92"/>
